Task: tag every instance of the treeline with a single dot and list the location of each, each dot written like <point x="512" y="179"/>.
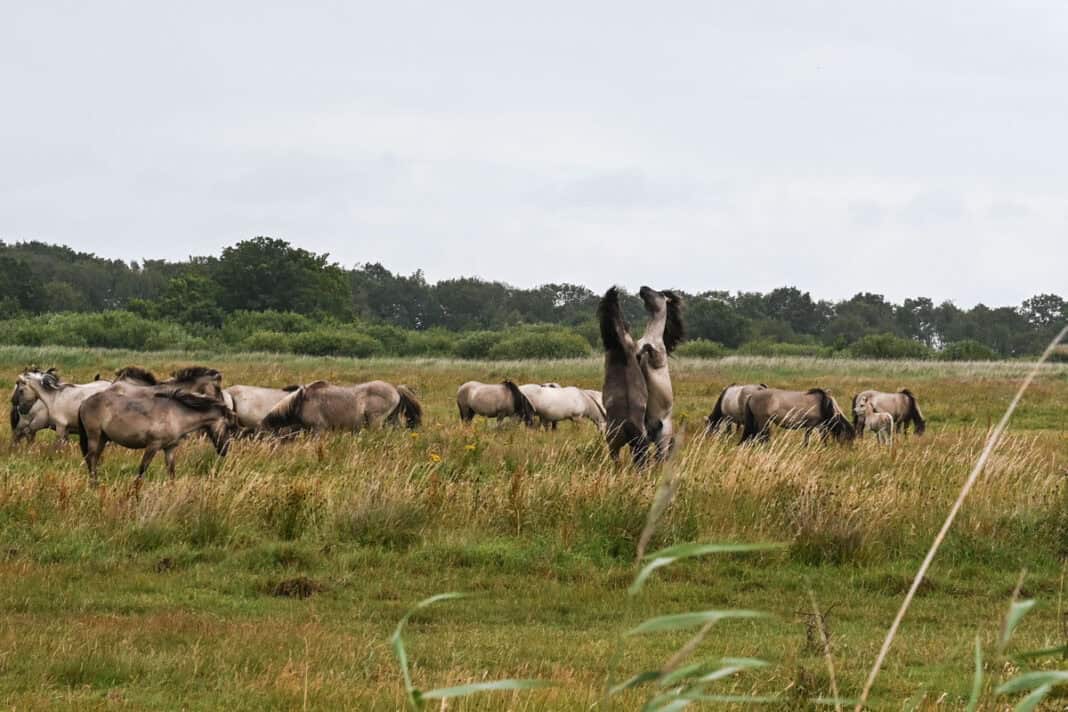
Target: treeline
<point x="264" y="294"/>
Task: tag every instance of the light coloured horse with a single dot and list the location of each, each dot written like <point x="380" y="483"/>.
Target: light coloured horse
<point x="493" y="400"/>
<point x="662" y="334"/>
<point x="625" y="393"/>
<point x="729" y="409"/>
<point x="253" y="403"/>
<point x="809" y="410"/>
<point x="28" y="414"/>
<point x="324" y="406"/>
<point x="150" y="421"/>
<point x="61" y="400"/>
<point x="880" y="423"/>
<point x="554" y="403"/>
<point x="901" y="405"/>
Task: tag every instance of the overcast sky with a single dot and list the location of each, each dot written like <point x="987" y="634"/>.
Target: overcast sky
<point x="906" y="148"/>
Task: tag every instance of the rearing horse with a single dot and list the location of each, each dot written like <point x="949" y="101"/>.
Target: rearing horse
<point x="662" y="334"/>
<point x="624" y="393"/>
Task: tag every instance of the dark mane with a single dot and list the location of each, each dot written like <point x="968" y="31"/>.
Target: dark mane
<point x="51" y="381"/>
<point x="192" y="373"/>
<point x="14" y="416"/>
<point x="287" y="413"/>
<point x="833" y="420"/>
<point x="610" y="316"/>
<point x="522" y="406"/>
<point x="674" y="328"/>
<point x="192" y="400"/>
<point x="136" y="373"/>
<point x="817" y="392"/>
<point x="914" y="412"/>
<point x="290" y="389"/>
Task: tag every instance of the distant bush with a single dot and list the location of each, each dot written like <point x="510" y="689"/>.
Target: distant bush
<point x="967" y="350"/>
<point x="546" y="345"/>
<point x="702" y="348"/>
<point x="434" y="342"/>
<point x="476" y="344"/>
<point x="335" y="342"/>
<point x="772" y="348"/>
<point x="242" y="323"/>
<point x="108" y="329"/>
<point x="888" y="346"/>
<point x="269" y="341"/>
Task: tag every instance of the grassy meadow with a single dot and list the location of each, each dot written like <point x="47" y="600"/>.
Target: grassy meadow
<point x="272" y="579"/>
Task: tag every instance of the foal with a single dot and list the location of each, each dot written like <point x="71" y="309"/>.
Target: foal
<point x="882" y="424"/>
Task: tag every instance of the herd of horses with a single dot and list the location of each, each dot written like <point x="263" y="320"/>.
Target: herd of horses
<point x="634" y="409"/>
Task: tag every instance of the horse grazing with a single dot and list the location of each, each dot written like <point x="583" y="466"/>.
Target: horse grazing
<point x="61" y="400"/>
<point x="151" y="422"/>
<point x="882" y="424"/>
<point x="901" y="405"/>
<point x="201" y="380"/>
<point x="807" y="410"/>
<point x="493" y="400"/>
<point x="729" y="409"/>
<point x="662" y="334"/>
<point x="625" y="391"/>
<point x="324" y="406"/>
<point x="554" y="403"/>
<point x="251" y="404"/>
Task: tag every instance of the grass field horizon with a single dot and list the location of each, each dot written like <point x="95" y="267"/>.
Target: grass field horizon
<point x="273" y="578"/>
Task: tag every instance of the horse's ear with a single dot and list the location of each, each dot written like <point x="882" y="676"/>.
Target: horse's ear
<point x="51" y="370"/>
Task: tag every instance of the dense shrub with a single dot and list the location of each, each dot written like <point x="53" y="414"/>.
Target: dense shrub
<point x="702" y="348"/>
<point x="888" y="346"/>
<point x="269" y="341"/>
<point x="108" y="329"/>
<point x="772" y="348"/>
<point x="555" y="344"/>
<point x="476" y="344"/>
<point x="335" y="342"/>
<point x="243" y="323"/>
<point x="967" y="350"/>
<point x="435" y="342"/>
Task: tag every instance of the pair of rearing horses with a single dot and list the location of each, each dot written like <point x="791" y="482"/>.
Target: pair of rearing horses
<point x="637" y="391"/>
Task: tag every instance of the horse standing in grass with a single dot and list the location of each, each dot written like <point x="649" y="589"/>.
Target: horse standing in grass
<point x="809" y="410"/>
<point x="880" y="423"/>
<point x="625" y="391"/>
<point x="28" y="414"/>
<point x="61" y="400"/>
<point x="662" y="334"/>
<point x="901" y="405"/>
<point x="493" y="400"/>
<point x="150" y="421"/>
<point x="251" y="404"/>
<point x="325" y="406"/>
<point x="729" y="409"/>
<point x="554" y="403"/>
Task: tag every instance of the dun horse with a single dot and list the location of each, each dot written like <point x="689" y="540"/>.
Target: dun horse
<point x="151" y="422"/>
<point x="729" y="409"/>
<point x="901" y="405"/>
<point x="882" y="424"/>
<point x="28" y="414"/>
<point x="662" y="334"/>
<point x="324" y="406"/>
<point x="625" y="392"/>
<point x="61" y="400"/>
<point x="493" y="400"/>
<point x="253" y="403"/>
<point x="794" y="410"/>
<point x="554" y="403"/>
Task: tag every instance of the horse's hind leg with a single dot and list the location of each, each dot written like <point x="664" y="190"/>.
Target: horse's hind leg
<point x="168" y="456"/>
<point x="146" y="460"/>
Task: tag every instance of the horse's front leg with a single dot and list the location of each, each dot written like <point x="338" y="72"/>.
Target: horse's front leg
<point x="61" y="437"/>
<point x="168" y="457"/>
<point x="146" y="460"/>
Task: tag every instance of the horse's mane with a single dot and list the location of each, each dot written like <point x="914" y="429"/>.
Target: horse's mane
<point x="291" y="388"/>
<point x="136" y="373"/>
<point x="14" y="415"/>
<point x="287" y="412"/>
<point x="817" y="392"/>
<point x="522" y="406"/>
<point x="192" y="373"/>
<point x="832" y="418"/>
<point x="914" y="412"/>
<point x="674" y="328"/>
<point x="192" y="400"/>
<point x="51" y="381"/>
<point x="610" y="315"/>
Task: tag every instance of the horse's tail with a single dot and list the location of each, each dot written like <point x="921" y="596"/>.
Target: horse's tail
<point x="83" y="436"/>
<point x="286" y="413"/>
<point x="914" y="413"/>
<point x="716" y="416"/>
<point x="610" y="317"/>
<point x="750" y="428"/>
<point x="522" y="406"/>
<point x="14" y="418"/>
<point x="858" y="426"/>
<point x="409" y="405"/>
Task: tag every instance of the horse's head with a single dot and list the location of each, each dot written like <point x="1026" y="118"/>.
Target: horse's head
<point x="23" y="397"/>
<point x="37" y="381"/>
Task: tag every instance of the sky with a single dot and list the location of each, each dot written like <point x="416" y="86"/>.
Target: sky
<point x="905" y="148"/>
